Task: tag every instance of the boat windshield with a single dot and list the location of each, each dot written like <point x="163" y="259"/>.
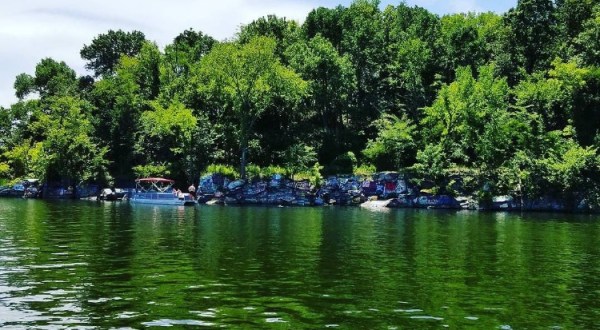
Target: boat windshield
<point x="154" y="185"/>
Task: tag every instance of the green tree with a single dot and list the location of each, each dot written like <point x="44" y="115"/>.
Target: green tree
<point x="284" y="32"/>
<point x="326" y="22"/>
<point x="571" y="16"/>
<point x="51" y="78"/>
<point x="394" y="146"/>
<point x="299" y="158"/>
<point x="331" y="82"/>
<point x="118" y="104"/>
<point x="104" y="52"/>
<point x="568" y="95"/>
<point x="573" y="172"/>
<point x="363" y="42"/>
<point x="587" y="44"/>
<point x="533" y="25"/>
<point x="247" y="78"/>
<point x="410" y="35"/>
<point x="179" y="58"/>
<point x="68" y="151"/>
<point x="458" y="116"/>
<point x="166" y="136"/>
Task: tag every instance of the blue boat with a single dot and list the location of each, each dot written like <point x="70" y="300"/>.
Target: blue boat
<point x="159" y="191"/>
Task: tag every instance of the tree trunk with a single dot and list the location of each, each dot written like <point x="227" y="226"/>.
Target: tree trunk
<point x="243" y="159"/>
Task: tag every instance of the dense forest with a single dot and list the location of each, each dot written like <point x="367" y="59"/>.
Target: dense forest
<point x="511" y="101"/>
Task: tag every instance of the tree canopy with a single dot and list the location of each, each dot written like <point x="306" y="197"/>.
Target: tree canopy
<point x="512" y="99"/>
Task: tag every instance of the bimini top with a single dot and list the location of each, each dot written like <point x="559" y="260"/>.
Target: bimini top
<point x="154" y="184"/>
<point x="154" y="180"/>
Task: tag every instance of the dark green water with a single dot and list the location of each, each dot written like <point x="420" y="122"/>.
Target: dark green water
<point x="111" y="265"/>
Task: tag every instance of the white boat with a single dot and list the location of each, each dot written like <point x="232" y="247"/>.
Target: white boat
<point x="159" y="191"/>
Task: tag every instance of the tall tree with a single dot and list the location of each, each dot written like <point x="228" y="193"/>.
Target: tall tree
<point x="166" y="137"/>
<point x="409" y="70"/>
<point x="284" y="32"/>
<point x="534" y="26"/>
<point x="51" y="78"/>
<point x="68" y="151"/>
<point x="362" y="41"/>
<point x="247" y="78"/>
<point x="326" y="22"/>
<point x="331" y="80"/>
<point x="118" y="104"/>
<point x="458" y="116"/>
<point x="104" y="52"/>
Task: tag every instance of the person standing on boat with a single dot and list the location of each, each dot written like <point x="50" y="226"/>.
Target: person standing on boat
<point x="192" y="190"/>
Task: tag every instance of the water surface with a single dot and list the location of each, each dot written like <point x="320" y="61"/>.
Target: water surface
<point x="115" y="265"/>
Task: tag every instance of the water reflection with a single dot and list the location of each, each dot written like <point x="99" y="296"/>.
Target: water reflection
<point x="78" y="264"/>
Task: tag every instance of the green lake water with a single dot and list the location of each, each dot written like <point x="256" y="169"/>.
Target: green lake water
<point x="89" y="265"/>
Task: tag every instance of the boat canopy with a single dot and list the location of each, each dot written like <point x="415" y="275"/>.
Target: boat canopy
<point x="154" y="184"/>
<point x="154" y="180"/>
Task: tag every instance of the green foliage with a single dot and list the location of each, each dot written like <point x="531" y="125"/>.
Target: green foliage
<point x="166" y="135"/>
<point x="432" y="162"/>
<point x="313" y="175"/>
<point x="248" y="78"/>
<point x="458" y="116"/>
<point x="533" y="25"/>
<point x="51" y="78"/>
<point x="586" y="45"/>
<point x="279" y="29"/>
<point x="342" y="164"/>
<point x="151" y="170"/>
<point x="225" y="170"/>
<point x="394" y="146"/>
<point x="331" y="82"/>
<point x="104" y="52"/>
<point x="480" y="103"/>
<point x="365" y="170"/>
<point x="66" y="149"/>
<point x="299" y="158"/>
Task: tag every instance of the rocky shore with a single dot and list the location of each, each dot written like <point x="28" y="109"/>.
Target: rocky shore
<point x="386" y="189"/>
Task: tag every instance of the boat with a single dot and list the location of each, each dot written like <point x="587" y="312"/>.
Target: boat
<point x="116" y="194"/>
<point x="159" y="191"/>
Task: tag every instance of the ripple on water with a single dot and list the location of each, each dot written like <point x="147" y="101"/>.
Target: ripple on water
<point x="210" y="313"/>
<point x="8" y="289"/>
<point x="40" y="298"/>
<point x="170" y="323"/>
<point x="408" y="311"/>
<point x="127" y="315"/>
<point x="426" y="318"/>
<point x="103" y="300"/>
<point x="60" y="292"/>
<point x="17" y="316"/>
<point x="69" y="307"/>
<point x="53" y="266"/>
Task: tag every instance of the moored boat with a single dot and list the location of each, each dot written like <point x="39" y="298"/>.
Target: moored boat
<point x="159" y="191"/>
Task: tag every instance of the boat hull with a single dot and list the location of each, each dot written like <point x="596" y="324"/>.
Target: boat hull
<point x="162" y="199"/>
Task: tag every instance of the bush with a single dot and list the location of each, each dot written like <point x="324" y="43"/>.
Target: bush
<point x="225" y="170"/>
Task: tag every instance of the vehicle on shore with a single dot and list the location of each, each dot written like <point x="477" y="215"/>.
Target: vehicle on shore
<point x="159" y="191"/>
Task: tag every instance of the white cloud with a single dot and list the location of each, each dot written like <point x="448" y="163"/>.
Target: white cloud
<point x="35" y="29"/>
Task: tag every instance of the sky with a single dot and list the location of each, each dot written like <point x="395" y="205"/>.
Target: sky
<point x="31" y="30"/>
